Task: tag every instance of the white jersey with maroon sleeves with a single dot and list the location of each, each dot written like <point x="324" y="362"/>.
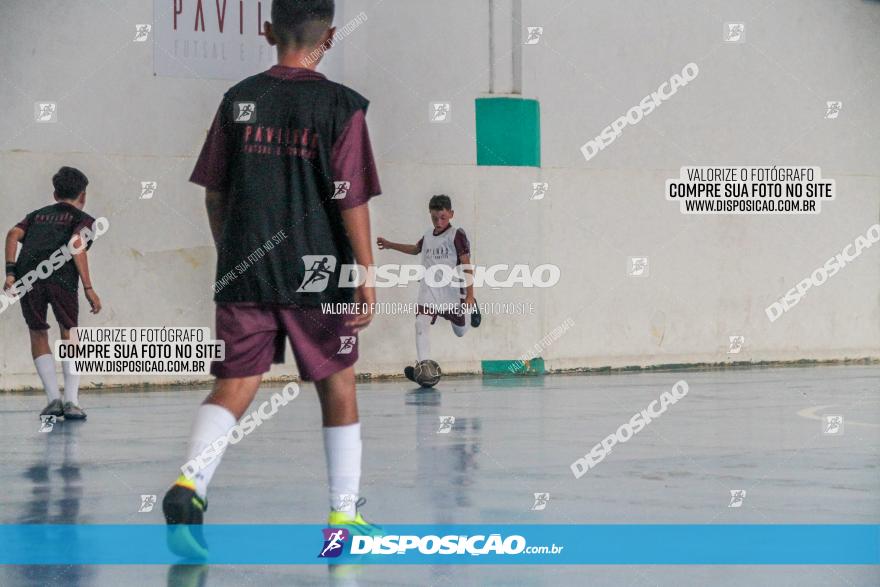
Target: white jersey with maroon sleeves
<point x="445" y="248"/>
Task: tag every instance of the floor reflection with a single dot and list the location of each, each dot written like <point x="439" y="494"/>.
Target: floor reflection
<point x="56" y="491"/>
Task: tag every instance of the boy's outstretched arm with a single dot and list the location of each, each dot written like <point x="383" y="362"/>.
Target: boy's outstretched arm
<point x="408" y="249"/>
<point x="216" y="205"/>
<point x="13" y="237"/>
<point x="81" y="260"/>
<point x="357" y="225"/>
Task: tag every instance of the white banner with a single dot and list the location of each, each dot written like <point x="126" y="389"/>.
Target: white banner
<point x="220" y="39"/>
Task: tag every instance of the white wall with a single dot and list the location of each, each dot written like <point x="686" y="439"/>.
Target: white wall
<point x="755" y="103"/>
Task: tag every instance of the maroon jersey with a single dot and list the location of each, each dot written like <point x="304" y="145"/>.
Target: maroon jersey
<point x="291" y="151"/>
<point x="47" y="230"/>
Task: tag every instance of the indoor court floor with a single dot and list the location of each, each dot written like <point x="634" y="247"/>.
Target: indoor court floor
<point x="760" y="430"/>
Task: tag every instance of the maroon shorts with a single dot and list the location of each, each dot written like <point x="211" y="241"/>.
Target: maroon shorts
<point x="254" y="335"/>
<point x="35" y="304"/>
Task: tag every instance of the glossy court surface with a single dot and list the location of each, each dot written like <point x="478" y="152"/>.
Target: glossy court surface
<point x="757" y="430"/>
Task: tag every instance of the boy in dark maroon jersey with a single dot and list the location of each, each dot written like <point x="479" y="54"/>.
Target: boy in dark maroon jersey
<point x="42" y="234"/>
<point x="287" y="159"/>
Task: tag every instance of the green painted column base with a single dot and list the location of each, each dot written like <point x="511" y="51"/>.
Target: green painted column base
<point x="508" y="132"/>
<point x="531" y="367"/>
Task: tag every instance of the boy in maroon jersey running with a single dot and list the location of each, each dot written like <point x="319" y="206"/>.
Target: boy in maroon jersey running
<point x="42" y="234"/>
<point x="270" y="173"/>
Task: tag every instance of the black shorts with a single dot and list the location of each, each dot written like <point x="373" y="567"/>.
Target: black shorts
<point x="35" y="303"/>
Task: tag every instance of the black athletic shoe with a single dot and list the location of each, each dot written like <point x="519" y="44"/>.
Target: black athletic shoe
<point x="410" y="373"/>
<point x="184" y="513"/>
<point x="476" y="317"/>
<point x="53" y="408"/>
<point x="182" y="505"/>
<point x="73" y="412"/>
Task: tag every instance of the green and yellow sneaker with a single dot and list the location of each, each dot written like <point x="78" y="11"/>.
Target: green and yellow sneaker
<point x="184" y="512"/>
<point x="355" y="525"/>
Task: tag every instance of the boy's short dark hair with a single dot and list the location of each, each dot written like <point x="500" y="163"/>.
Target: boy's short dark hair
<point x="440" y="202"/>
<point x="69" y="183"/>
<point x="300" y="23"/>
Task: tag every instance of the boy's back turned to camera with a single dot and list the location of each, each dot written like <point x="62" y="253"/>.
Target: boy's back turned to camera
<point x="47" y="271"/>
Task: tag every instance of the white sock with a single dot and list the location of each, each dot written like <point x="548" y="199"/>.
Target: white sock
<point x="211" y="422"/>
<point x="71" y="382"/>
<point x="460" y="330"/>
<point x="423" y="337"/>
<point x="343" y="447"/>
<point x="46" y="370"/>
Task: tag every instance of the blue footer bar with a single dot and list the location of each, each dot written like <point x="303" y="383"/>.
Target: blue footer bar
<point x="673" y="544"/>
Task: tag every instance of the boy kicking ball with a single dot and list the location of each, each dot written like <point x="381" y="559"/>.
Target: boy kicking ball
<point x="279" y="143"/>
<point x="42" y="234"/>
<point x="443" y="244"/>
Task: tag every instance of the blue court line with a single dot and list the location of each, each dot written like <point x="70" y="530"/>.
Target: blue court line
<point x="678" y="544"/>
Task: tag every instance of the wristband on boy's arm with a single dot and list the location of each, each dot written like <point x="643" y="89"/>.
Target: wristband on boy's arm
<point x="10" y="268"/>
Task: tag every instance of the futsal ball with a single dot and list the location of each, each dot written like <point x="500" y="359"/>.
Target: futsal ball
<point x="427" y="373"/>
